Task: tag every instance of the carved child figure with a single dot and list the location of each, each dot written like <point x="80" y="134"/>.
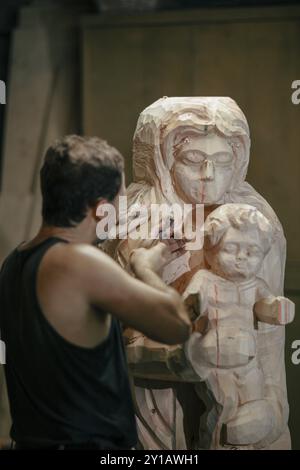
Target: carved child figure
<point x="234" y="300"/>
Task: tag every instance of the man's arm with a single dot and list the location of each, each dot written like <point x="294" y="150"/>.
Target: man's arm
<point x="154" y="309"/>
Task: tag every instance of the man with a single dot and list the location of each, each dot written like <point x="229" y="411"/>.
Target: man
<point x="61" y="302"/>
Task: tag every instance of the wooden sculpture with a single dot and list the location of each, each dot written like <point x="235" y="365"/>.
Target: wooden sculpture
<point x="196" y="150"/>
<point x="234" y="299"/>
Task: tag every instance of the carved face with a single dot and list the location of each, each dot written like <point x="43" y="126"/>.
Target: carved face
<point x="203" y="168"/>
<point x="238" y="256"/>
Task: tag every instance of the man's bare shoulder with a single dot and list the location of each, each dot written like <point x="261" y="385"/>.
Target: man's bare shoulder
<point x="76" y="259"/>
<point x="80" y="271"/>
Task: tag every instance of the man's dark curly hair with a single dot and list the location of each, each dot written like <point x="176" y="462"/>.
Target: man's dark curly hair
<point x="77" y="172"/>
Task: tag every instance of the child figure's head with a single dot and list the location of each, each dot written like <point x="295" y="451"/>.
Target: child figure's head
<point x="236" y="239"/>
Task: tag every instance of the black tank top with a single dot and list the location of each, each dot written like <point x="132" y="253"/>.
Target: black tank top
<point x="59" y="393"/>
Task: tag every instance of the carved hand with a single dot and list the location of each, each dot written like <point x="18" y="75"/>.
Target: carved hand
<point x="275" y="310"/>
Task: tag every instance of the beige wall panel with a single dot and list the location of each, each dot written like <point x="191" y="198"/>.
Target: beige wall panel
<point x="29" y="86"/>
<point x="126" y="69"/>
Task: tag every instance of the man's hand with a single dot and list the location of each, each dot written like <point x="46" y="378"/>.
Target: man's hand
<point x="146" y="263"/>
<point x="154" y="258"/>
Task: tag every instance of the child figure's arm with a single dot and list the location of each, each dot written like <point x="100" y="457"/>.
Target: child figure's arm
<point x="196" y="302"/>
<point x="273" y="310"/>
